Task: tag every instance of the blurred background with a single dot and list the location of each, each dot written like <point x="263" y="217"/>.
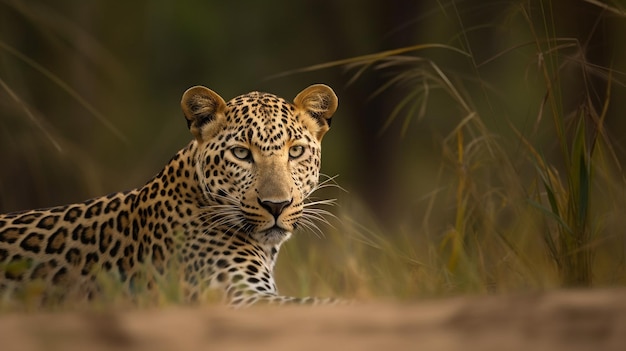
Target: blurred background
<point x="474" y="156"/>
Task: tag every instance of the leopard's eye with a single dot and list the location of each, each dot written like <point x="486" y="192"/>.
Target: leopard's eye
<point x="241" y="153"/>
<point x="296" y="151"/>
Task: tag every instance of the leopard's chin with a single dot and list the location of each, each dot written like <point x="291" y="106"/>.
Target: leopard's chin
<point x="272" y="236"/>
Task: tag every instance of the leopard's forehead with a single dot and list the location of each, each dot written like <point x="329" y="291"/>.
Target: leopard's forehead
<point x="263" y="119"/>
<point x="258" y="107"/>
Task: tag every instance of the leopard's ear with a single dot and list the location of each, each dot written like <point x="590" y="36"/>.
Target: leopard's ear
<point x="204" y="111"/>
<point x="319" y="102"/>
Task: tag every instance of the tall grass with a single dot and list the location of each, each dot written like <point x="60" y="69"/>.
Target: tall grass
<point x="521" y="201"/>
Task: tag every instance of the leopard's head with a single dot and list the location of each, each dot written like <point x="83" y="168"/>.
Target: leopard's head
<point x="258" y="157"/>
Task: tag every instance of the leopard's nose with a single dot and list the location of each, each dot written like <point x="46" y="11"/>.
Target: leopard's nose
<point x="274" y="208"/>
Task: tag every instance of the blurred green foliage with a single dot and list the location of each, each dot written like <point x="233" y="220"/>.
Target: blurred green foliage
<point x="442" y="152"/>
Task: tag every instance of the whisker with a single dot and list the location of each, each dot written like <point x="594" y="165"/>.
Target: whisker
<point x="318" y="212"/>
<point x="312" y="227"/>
<point x="319" y="218"/>
<point x="329" y="202"/>
<point x="329" y="182"/>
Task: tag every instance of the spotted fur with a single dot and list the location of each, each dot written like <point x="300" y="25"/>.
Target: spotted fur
<point x="218" y="211"/>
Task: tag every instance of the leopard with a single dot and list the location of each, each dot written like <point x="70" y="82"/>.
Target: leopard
<point x="215" y="216"/>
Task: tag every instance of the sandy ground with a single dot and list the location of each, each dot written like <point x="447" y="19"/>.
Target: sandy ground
<point x="564" y="320"/>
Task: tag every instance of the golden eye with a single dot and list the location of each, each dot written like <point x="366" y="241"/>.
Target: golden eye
<point x="241" y="153"/>
<point x="296" y="151"/>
